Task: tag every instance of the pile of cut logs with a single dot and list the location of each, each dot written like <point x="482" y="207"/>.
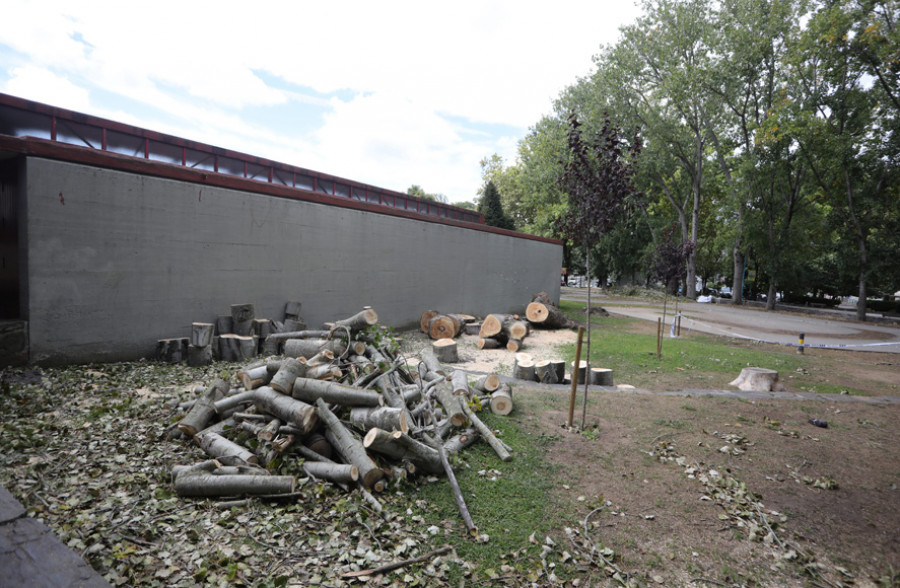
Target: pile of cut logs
<point x="343" y="408"/>
<point x="238" y="336"/>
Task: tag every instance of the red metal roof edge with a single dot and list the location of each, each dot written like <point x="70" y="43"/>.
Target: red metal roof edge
<point x="106" y="159"/>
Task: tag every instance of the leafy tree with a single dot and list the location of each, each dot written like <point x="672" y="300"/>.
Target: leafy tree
<point x="417" y="191"/>
<point x="492" y="209"/>
<point x="598" y="179"/>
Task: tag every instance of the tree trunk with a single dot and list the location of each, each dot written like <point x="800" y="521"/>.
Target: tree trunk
<point x="400" y="446"/>
<point x="292" y="309"/>
<point x="349" y="446"/>
<point x="501" y="401"/>
<point x="204" y="408"/>
<point x="199" y="356"/>
<point x="445" y="350"/>
<point x="242" y="316"/>
<point x="310" y="390"/>
<point x="487" y="383"/>
<point x="382" y="417"/>
<point x="426" y="318"/>
<point x="296" y="412"/>
<point x="546" y="316"/>
<point x="254" y="377"/>
<point x="493" y="324"/>
<point x="559" y="366"/>
<point x="489" y="343"/>
<point x="202" y="333"/>
<point x="451" y="403"/>
<point x="236" y="348"/>
<point x="545" y="373"/>
<point x="514" y="345"/>
<point x="333" y="472"/>
<point x="309" y="347"/>
<point x="172" y="350"/>
<point x="459" y="380"/>
<point x="737" y="283"/>
<point x="524" y="370"/>
<point x="582" y="369"/>
<point x="219" y="447"/>
<point x="601" y="377"/>
<point x="358" y="322"/>
<point x="445" y="326"/>
<point x="289" y="370"/>
<point x="212" y="485"/>
<point x="232" y="402"/>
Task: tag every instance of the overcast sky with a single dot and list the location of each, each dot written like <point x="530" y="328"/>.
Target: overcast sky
<point x="387" y="93"/>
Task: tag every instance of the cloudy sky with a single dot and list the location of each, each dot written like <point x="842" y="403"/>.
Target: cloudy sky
<point x="389" y="93"/>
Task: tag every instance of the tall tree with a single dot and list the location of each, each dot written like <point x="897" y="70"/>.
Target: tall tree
<point x="492" y="209"/>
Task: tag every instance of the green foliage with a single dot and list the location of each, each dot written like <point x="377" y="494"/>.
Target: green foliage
<point x="492" y="209"/>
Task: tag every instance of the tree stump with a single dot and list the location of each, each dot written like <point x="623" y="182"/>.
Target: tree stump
<point x="233" y="347"/>
<point x="758" y="379"/>
<point x="524" y="370"/>
<point x="445" y="350"/>
<point x="292" y="310"/>
<point x="172" y="350"/>
<point x="242" y="316"/>
<point x="545" y="372"/>
<point x="202" y="333"/>
<point x="487" y="383"/>
<point x="559" y="366"/>
<point x="426" y="318"/>
<point x="601" y="377"/>
<point x="546" y="316"/>
<point x="581" y="371"/>
<point x="199" y="356"/>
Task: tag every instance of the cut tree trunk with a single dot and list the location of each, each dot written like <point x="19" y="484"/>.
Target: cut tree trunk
<point x="309" y="347"/>
<point x="401" y="446"/>
<point x="172" y="350"/>
<point x="199" y="356"/>
<point x="211" y="485"/>
<point x="202" y="334"/>
<point x="758" y="379"/>
<point x="204" y="408"/>
<point x="232" y="402"/>
<point x="493" y="324"/>
<point x="254" y="377"/>
<point x="220" y="447"/>
<point x="296" y="412"/>
<point x="460" y="382"/>
<point x="432" y="364"/>
<point x="333" y="472"/>
<point x="601" y="377"/>
<point x="349" y="446"/>
<point x="487" y="383"/>
<point x="290" y="370"/>
<point x="559" y="366"/>
<point x="524" y="370"/>
<point x="292" y="309"/>
<point x="319" y="444"/>
<point x="445" y="326"/>
<point x="501" y="400"/>
<point x="472" y="328"/>
<point x="426" y="318"/>
<point x="546" y="316"/>
<point x="303" y="334"/>
<point x="381" y="417"/>
<point x="224" y="325"/>
<point x="451" y="403"/>
<point x="489" y="343"/>
<point x="445" y="350"/>
<point x="236" y="348"/>
<point x="358" y="322"/>
<point x="242" y="316"/>
<point x="582" y="369"/>
<point x="545" y="373"/>
<point x="310" y="390"/>
<point x="514" y="345"/>
<point x="488" y="435"/>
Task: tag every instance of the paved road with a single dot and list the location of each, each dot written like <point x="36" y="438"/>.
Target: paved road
<point x="741" y="322"/>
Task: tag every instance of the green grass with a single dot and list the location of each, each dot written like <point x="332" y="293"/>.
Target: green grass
<point x="509" y="509"/>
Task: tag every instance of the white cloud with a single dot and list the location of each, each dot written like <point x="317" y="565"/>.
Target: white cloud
<point x="426" y="89"/>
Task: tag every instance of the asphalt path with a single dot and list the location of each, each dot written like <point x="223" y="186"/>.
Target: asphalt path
<point x="751" y="323"/>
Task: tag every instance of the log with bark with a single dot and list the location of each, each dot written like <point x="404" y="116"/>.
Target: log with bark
<point x="445" y="326"/>
<point x="524" y="369"/>
<point x="758" y="379"/>
<point x="498" y="446"/>
<point x="309" y="347"/>
<point x="333" y="472"/>
<point x="348" y="446"/>
<point x="489" y="343"/>
<point x="445" y="350"/>
<point x="298" y="413"/>
<point x="426" y="318"/>
<point x="542" y="312"/>
<point x="310" y="390"/>
<point x="202" y="334"/>
<point x="212" y="485"/>
<point x="545" y="373"/>
<point x="172" y="350"/>
<point x="358" y="322"/>
<point x="204" y="409"/>
<point x="601" y="377"/>
<point x="487" y="383"/>
<point x="501" y="400"/>
<point x="220" y="447"/>
<point x="450" y="402"/>
<point x="242" y="316"/>
<point x="459" y="380"/>
<point x="382" y="417"/>
<point x="288" y="370"/>
<point x="237" y="348"/>
<point x="199" y="356"/>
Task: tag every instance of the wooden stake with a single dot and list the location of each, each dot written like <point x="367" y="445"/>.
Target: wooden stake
<point x="575" y="379"/>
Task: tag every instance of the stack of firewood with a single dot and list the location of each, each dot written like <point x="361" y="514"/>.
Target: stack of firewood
<point x="353" y="410"/>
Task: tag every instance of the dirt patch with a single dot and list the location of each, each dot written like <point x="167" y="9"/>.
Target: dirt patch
<point x="837" y="488"/>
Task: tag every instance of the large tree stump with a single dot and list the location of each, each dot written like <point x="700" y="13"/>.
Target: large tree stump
<point x="426" y="318"/>
<point x="224" y="324"/>
<point x="524" y="370"/>
<point x="559" y="366"/>
<point x="292" y="309"/>
<point x="580" y="372"/>
<point x="545" y="373"/>
<point x="601" y="377"/>
<point x="546" y="316"/>
<point x="202" y="334"/>
<point x="349" y="446"/>
<point x="172" y="350"/>
<point x="501" y="400"/>
<point x="237" y="348"/>
<point x="242" y="316"/>
<point x="493" y="324"/>
<point x="445" y="350"/>
<point x="489" y="343"/>
<point x="199" y="356"/>
<point x="758" y="379"/>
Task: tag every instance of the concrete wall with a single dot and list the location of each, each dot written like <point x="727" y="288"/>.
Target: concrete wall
<point x="117" y="260"/>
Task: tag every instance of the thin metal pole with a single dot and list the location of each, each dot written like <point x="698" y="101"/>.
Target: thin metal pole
<point x="575" y="367"/>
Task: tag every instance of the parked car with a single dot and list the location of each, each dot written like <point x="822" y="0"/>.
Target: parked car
<point x="725" y="292"/>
